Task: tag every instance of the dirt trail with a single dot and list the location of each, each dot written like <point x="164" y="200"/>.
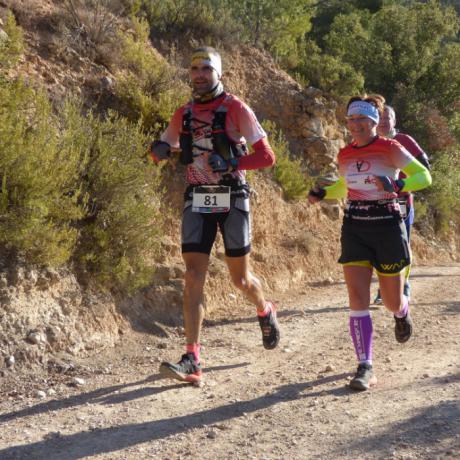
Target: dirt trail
<point x="291" y="403"/>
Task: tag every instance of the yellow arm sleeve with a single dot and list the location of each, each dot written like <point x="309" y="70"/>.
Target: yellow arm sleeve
<point x="337" y="190"/>
<point x="418" y="177"/>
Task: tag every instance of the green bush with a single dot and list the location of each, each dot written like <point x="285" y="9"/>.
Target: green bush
<point x="11" y="46"/>
<point x="186" y="21"/>
<point x="147" y="86"/>
<point x="76" y="189"/>
<point x="444" y="195"/>
<point x="119" y="236"/>
<point x="35" y="209"/>
<point x="288" y="172"/>
<point x="328" y="72"/>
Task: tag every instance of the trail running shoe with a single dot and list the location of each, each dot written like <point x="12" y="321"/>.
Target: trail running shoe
<point x="403" y="328"/>
<point x="270" y="329"/>
<point x="186" y="370"/>
<point x="364" y="378"/>
<point x="378" y="298"/>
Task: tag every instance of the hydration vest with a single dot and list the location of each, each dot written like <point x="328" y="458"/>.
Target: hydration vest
<point x="221" y="143"/>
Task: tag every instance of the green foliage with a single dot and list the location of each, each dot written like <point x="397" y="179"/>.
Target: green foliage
<point x="76" y="189"/>
<point x="11" y="46"/>
<point x="179" y="21"/>
<point x="444" y="195"/>
<point x="288" y="172"/>
<point x="147" y="86"/>
<point x="329" y="73"/>
<point x="274" y="24"/>
<point x="412" y="36"/>
<point x="119" y="234"/>
<point x="36" y="212"/>
<point x="441" y="82"/>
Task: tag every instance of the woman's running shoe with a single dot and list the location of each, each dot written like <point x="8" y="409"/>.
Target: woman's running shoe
<point x="364" y="378"/>
<point x="403" y="328"/>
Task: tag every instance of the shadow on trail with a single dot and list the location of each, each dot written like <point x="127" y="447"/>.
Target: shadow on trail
<point x="446" y="379"/>
<point x="426" y="429"/>
<point x="108" y="395"/>
<point x="112" y="439"/>
<point x="451" y="307"/>
<point x="279" y="314"/>
<point x="325" y="284"/>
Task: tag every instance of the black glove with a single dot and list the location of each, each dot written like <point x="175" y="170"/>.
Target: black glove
<point x="160" y="150"/>
<point x="220" y="164"/>
<point x="390" y="185"/>
<point x="317" y="192"/>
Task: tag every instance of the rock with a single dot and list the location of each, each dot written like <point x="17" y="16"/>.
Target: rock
<point x="332" y="210"/>
<point x="107" y="83"/>
<point x="78" y="381"/>
<point x="40" y="394"/>
<point x="311" y="91"/>
<point x="37" y="338"/>
<point x="10" y="361"/>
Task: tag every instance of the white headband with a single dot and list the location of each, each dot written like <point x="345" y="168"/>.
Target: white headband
<point x="364" y="108"/>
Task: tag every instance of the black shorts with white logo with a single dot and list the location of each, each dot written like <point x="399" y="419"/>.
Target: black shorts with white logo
<point x="199" y="230"/>
<point x="385" y="247"/>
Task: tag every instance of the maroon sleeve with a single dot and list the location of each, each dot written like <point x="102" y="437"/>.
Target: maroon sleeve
<point x="262" y="157"/>
<point x="410" y="144"/>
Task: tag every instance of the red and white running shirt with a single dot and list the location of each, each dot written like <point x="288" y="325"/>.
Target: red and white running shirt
<point x="241" y="126"/>
<point x="360" y="165"/>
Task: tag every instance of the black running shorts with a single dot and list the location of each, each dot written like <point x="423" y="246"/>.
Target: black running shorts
<point x="385" y="247"/>
<point x="199" y="230"/>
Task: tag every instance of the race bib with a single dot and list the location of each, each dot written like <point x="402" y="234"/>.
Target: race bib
<point x="361" y="182"/>
<point x="211" y="198"/>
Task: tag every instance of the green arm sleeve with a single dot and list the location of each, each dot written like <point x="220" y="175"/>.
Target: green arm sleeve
<point x="337" y="190"/>
<point x="418" y="177"/>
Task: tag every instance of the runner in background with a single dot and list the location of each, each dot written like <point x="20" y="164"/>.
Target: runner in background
<point x="387" y="128"/>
